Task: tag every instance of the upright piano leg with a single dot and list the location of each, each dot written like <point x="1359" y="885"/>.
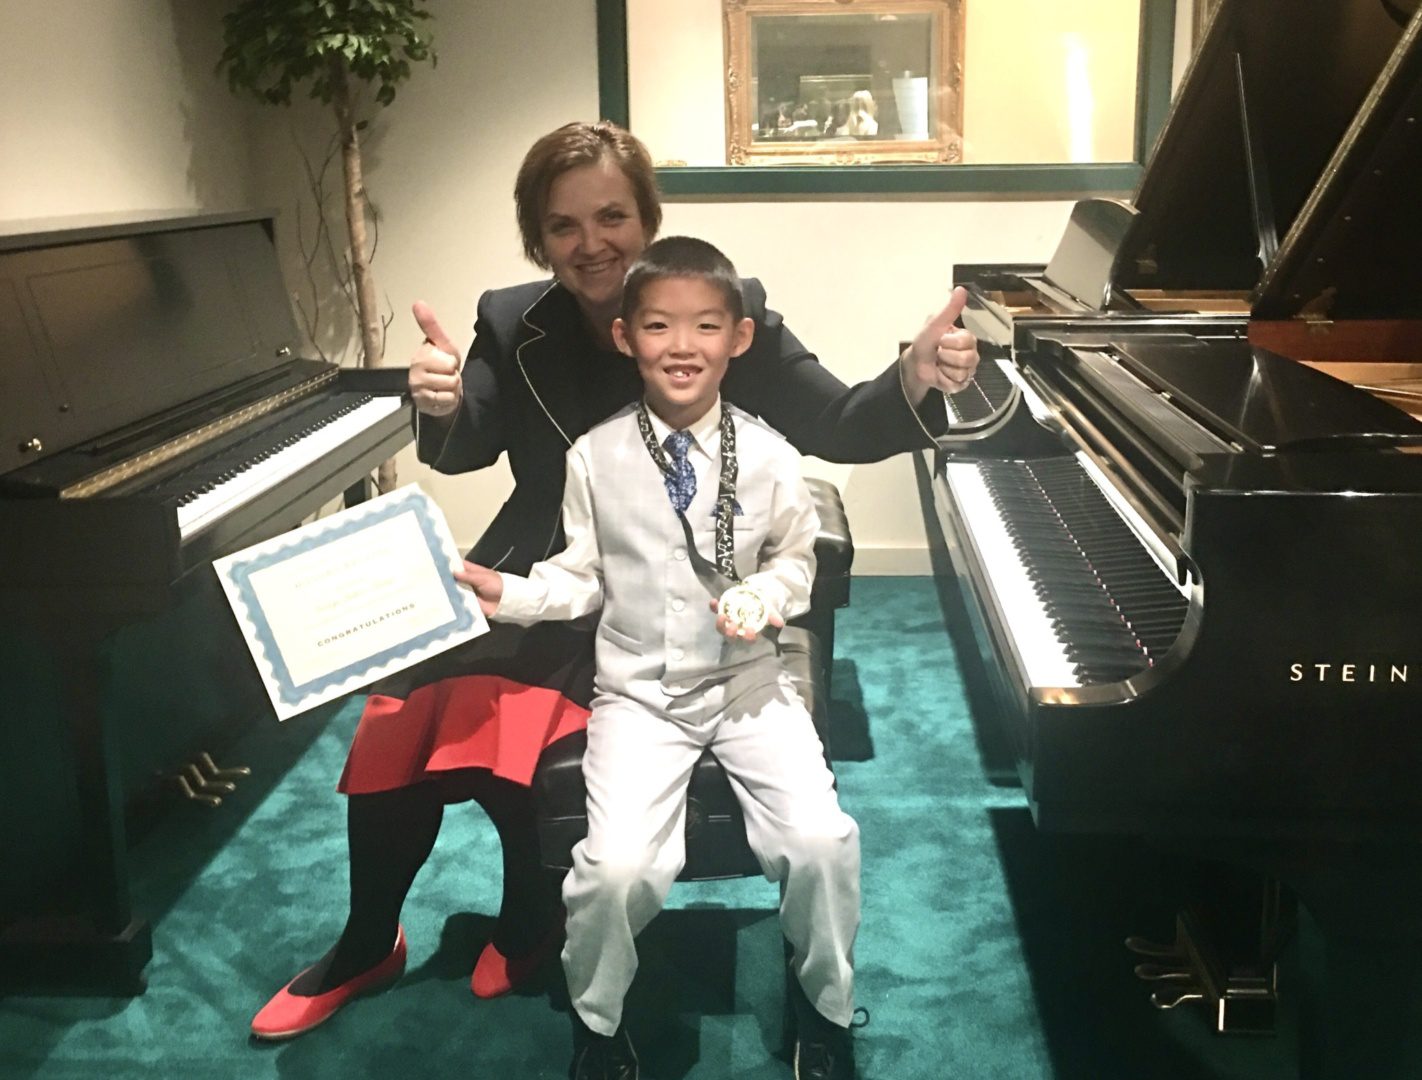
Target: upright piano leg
<point x="97" y="943"/>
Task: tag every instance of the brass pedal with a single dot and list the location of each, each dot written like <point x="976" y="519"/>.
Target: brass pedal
<point x="1171" y="996"/>
<point x="1163" y="973"/>
<point x="206" y="784"/>
<point x="213" y="772"/>
<point x="1168" y="965"/>
<point x="185" y="787"/>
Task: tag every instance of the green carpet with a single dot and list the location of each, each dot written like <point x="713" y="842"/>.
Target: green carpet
<point x="987" y="950"/>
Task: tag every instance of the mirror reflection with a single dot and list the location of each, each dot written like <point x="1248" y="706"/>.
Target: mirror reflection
<point x="861" y="77"/>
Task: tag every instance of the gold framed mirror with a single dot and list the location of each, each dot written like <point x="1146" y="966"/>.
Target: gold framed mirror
<point x="843" y="82"/>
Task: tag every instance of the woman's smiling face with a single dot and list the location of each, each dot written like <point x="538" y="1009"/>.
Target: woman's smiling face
<point x="592" y="232"/>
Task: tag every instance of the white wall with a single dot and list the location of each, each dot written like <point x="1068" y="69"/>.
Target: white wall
<point x="121" y="110"/>
<point x="113" y="106"/>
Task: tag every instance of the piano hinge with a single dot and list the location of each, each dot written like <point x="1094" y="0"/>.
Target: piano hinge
<point x="140" y="463"/>
<point x="1317" y="313"/>
<point x="1146" y="264"/>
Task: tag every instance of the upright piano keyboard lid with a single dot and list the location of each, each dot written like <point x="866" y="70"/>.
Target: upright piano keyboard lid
<point x="104" y="324"/>
<point x="1269" y="95"/>
<point x="1263" y="402"/>
<point x="1353" y="251"/>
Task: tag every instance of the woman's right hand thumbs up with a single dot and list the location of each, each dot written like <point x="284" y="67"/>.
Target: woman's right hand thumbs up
<point x="435" y="385"/>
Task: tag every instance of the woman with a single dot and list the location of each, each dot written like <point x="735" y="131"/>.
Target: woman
<point x="470" y="724"/>
<point x="862" y="122"/>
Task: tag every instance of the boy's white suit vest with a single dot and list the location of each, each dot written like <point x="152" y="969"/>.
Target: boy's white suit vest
<point x="657" y="635"/>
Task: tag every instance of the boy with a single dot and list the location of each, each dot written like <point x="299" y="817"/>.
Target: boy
<point x="651" y="494"/>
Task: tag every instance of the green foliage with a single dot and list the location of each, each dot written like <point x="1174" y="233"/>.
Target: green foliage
<point x="271" y="45"/>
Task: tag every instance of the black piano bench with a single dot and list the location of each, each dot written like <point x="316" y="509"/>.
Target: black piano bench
<point x="834" y="559"/>
<point x="716" y="844"/>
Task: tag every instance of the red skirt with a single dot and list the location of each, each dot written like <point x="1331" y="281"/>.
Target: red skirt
<point x="493" y="703"/>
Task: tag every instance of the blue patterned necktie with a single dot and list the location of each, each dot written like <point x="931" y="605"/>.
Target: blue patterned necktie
<point x="681" y="481"/>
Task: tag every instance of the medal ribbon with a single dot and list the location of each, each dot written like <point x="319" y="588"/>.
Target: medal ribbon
<point x="723" y="574"/>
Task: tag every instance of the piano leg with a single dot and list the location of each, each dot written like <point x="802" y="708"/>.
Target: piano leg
<point x="1363" y="1020"/>
<point x="360" y="491"/>
<point x="1362" y="1017"/>
<point x="96" y="944"/>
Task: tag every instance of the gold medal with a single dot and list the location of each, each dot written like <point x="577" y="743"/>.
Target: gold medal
<point x="745" y="607"/>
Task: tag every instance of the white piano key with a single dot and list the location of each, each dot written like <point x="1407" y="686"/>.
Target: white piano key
<point x="1036" y="642"/>
<point x="264" y="475"/>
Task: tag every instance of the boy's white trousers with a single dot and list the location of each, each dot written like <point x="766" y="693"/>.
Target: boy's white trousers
<point x="637" y="767"/>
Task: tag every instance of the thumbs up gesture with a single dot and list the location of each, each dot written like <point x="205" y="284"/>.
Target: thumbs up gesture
<point x="435" y="385"/>
<point x="942" y="355"/>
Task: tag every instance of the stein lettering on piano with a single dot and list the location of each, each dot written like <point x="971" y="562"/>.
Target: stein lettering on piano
<point x="1348" y="673"/>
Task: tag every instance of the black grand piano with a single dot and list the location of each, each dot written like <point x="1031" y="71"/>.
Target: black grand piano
<point x="154" y="416"/>
<point x="1181" y="509"/>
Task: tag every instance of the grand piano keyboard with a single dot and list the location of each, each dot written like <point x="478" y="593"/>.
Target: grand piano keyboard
<point x="1082" y="599"/>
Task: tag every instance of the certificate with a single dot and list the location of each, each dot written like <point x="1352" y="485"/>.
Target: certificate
<point x="334" y="605"/>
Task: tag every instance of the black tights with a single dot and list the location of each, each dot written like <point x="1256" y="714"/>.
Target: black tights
<point x="392" y="834"/>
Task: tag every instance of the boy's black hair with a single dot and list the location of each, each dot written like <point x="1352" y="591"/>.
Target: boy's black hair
<point x="682" y="257"/>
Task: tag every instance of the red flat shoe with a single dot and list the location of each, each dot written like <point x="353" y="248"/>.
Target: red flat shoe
<point x="288" y="1015"/>
<point x="496" y="974"/>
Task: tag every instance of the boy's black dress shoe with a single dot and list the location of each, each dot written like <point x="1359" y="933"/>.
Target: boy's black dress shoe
<point x="601" y="1057"/>
<point x="823" y="1051"/>
<point x="824" y="1055"/>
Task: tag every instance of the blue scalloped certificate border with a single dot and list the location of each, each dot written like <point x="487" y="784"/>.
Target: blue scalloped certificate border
<point x="289" y="698"/>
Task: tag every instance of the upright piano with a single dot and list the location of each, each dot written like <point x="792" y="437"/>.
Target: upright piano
<point x="155" y="414"/>
<point x="1181" y="505"/>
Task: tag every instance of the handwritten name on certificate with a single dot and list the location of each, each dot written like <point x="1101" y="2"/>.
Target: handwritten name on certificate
<point x="335" y="605"/>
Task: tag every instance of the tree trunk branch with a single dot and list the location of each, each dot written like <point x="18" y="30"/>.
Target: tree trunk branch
<point x="367" y="311"/>
<point x="366" y="304"/>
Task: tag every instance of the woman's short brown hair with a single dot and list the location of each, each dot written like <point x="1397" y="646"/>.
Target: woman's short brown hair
<point x="567" y="148"/>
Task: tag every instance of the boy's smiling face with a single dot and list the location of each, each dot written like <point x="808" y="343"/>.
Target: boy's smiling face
<point x="682" y="336"/>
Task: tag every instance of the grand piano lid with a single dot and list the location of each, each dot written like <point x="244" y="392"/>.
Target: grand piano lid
<point x="1261" y="401"/>
<point x="1353" y="252"/>
<point x="1270" y="93"/>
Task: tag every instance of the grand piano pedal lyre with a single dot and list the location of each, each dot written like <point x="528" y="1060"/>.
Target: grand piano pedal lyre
<point x="155" y="414"/>
<point x="1240" y="992"/>
<point x="1181" y="517"/>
